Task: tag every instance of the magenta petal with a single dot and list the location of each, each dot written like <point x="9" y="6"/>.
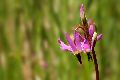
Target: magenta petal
<point x="91" y="30"/>
<point x="99" y="37"/>
<point x="71" y="43"/>
<point x="77" y="40"/>
<point x="82" y="13"/>
<point x="86" y="46"/>
<point x="64" y="46"/>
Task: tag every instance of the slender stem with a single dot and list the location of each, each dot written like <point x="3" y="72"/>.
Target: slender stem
<point x="95" y="61"/>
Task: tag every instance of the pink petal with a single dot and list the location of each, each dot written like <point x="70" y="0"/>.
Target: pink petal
<point x="77" y="40"/>
<point x="64" y="46"/>
<point x="91" y="30"/>
<point x="99" y="37"/>
<point x="71" y="43"/>
<point x="86" y="46"/>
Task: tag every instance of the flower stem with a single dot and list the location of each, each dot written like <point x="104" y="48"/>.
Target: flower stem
<point x="95" y="61"/>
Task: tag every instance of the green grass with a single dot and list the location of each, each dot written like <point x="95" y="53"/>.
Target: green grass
<point x="29" y="30"/>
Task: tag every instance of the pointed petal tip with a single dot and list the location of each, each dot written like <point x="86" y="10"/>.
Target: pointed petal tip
<point x="99" y="37"/>
<point x="63" y="46"/>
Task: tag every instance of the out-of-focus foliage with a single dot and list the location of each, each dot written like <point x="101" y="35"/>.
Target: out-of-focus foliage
<point x="29" y="30"/>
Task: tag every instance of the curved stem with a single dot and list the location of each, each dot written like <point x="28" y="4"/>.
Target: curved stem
<point x="95" y="61"/>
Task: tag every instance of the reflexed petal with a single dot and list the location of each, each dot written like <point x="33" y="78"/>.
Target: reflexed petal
<point x="82" y="13"/>
<point x="91" y="30"/>
<point x="99" y="37"/>
<point x="86" y="46"/>
<point x="64" y="46"/>
<point x="71" y="43"/>
<point x="77" y="38"/>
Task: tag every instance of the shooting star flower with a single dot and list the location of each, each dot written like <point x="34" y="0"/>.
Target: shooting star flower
<point x="81" y="43"/>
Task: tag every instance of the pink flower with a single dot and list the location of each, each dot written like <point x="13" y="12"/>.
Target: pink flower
<point x="81" y="43"/>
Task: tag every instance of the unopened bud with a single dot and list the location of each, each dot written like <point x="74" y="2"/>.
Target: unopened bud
<point x="82" y="12"/>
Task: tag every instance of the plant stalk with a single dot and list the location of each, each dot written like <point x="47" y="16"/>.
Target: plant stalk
<point x="95" y="61"/>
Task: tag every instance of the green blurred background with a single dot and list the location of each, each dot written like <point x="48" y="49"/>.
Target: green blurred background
<point x="29" y="30"/>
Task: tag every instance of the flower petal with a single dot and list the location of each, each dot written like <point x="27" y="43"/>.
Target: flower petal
<point x="64" y="46"/>
<point x="77" y="38"/>
<point x="91" y="30"/>
<point x="99" y="37"/>
<point x="71" y="43"/>
<point x="85" y="46"/>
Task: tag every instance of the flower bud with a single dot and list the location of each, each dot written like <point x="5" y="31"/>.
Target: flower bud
<point x="82" y="12"/>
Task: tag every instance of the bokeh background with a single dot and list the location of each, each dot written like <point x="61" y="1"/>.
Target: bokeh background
<point x="29" y="30"/>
